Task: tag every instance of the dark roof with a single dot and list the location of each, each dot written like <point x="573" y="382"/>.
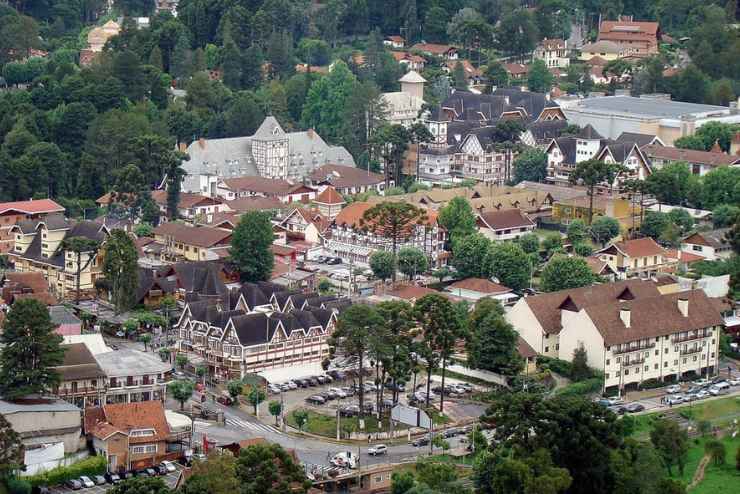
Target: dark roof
<point x="79" y="363"/>
<point x="547" y="129"/>
<point x="150" y="279"/>
<point x="588" y="132"/>
<point x="489" y="107"/>
<point x="306" y="318"/>
<point x="323" y="316"/>
<point x="199" y="236"/>
<point x="506" y="218"/>
<point x="639" y="139"/>
<point x="202" y="277"/>
<point x="342" y="176"/>
<point x="253" y="295"/>
<point x="252" y="329"/>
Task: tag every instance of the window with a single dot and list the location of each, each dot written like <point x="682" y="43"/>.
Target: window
<point x="607" y="361"/>
<point x="666" y="351"/>
<point x="685" y="361"/>
<point x="141" y="432"/>
<point x="557" y="346"/>
<point x="616" y="373"/>
<point x="675" y="362"/>
<point x="696" y="248"/>
<point x="647" y="368"/>
<point x="619" y="360"/>
<point x="146" y="448"/>
<point x="547" y="349"/>
<point x="655" y="366"/>
<point x="657" y="352"/>
<point x="606" y="375"/>
<point x="626" y="372"/>
<point x="665" y="364"/>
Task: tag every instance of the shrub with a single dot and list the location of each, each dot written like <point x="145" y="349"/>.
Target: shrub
<point x="582" y="388"/>
<point x="95" y="465"/>
<point x="18" y="486"/>
<point x="555" y="365"/>
<point x="652" y="383"/>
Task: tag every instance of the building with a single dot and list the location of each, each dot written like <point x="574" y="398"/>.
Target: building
<point x="711" y="245"/>
<point x="564" y="154"/>
<point x="409" y="60"/>
<point x="329" y="202"/>
<point x="83" y="382"/>
<point x="305" y="224"/>
<point x="131" y="436"/>
<point x="437" y="50"/>
<point x="641" y="257"/>
<point x="504" y="224"/>
<point x="605" y="50"/>
<point x="404" y="106"/>
<point x="40" y="247"/>
<point x="474" y="289"/>
<point x="257" y="327"/>
<point x="635" y="38"/>
<point x="528" y="354"/>
<point x="17" y="286"/>
<point x="177" y="241"/>
<point x="395" y="42"/>
<point x="134" y="376"/>
<point x="517" y="71"/>
<point x="577" y="208"/>
<point x="700" y="162"/>
<point x="41" y="421"/>
<point x="66" y="322"/>
<point x="347" y="180"/>
<point x="191" y="206"/>
<point x="245" y="187"/>
<point x="350" y="240"/>
<point x="648" y="114"/>
<point x="99" y="36"/>
<point x="13" y="212"/>
<point x="554" y="52"/>
<point x="269" y="153"/>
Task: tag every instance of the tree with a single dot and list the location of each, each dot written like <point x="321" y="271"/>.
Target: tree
<point x="30" y="351"/>
<point x="682" y="219"/>
<point x="672" y="443"/>
<point x="539" y="78"/>
<point x="326" y="101"/>
<point x="720" y="186"/>
<point x="529" y="242"/>
<point x="670" y="486"/>
<point x="716" y="450"/>
<point x="552" y="243"/>
<point x="181" y="360"/>
<point x="301" y="418"/>
<point x="579" y="365"/>
<point x="530" y="165"/>
<point x="671" y="184"/>
<point x="724" y="215"/>
<point x="120" y="269"/>
<point x="604" y="228"/>
<point x="181" y="63"/>
<point x="394" y="221"/>
<point x="654" y="224"/>
<point x="181" y="391"/>
<point x="398" y="324"/>
<point x="234" y="388"/>
<point x="11" y="450"/>
<point x="577" y="232"/>
<point x="497" y="474"/>
<point x="516" y="34"/>
<point x="255" y="397"/>
<point x="437" y="319"/>
<point x="492" y="344"/>
<point x="81" y="246"/>
<point x="402" y="482"/>
<point x="353" y="329"/>
<point x="511" y="265"/>
<point x="216" y="474"/>
<point x="436" y="475"/>
<point x="563" y="272"/>
<point x="141" y="485"/>
<point x="457" y="218"/>
<point x="382" y="264"/>
<point x="275" y="408"/>
<point x="250" y="246"/>
<point x="592" y="173"/>
<point x="269" y="469"/>
<point x="390" y="141"/>
<point x="496" y="75"/>
<point x="412" y="261"/>
<point x="471" y="256"/>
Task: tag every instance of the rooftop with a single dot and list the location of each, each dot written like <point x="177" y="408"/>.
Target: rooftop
<point x="646" y="107"/>
<point x="37" y="206"/>
<point x="201" y="236"/>
<point x="126" y="362"/>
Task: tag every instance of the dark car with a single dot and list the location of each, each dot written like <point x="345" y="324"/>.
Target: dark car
<point x="41" y="489"/>
<point x="113" y="478"/>
<point x="451" y="432"/>
<point x="634" y="408"/>
<point x="128" y="475"/>
<point x="160" y="469"/>
<point x="420" y="441"/>
<point x="144" y="472"/>
<point x="349" y="411"/>
<point x="313" y="381"/>
<point x="316" y="400"/>
<point x="73" y="484"/>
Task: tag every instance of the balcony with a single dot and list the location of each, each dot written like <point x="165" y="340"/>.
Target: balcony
<point x="633" y="349"/>
<point x="691" y="351"/>
<point x="79" y="391"/>
<point x="690" y="337"/>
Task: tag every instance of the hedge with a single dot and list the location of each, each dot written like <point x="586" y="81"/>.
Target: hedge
<point x="556" y="365"/>
<point x="582" y="388"/>
<point x="18" y="486"/>
<point x="94" y="465"/>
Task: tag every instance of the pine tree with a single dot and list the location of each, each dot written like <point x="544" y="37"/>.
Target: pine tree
<point x="411" y="21"/>
<point x="155" y="58"/>
<point x="181" y="63"/>
<point x="251" y="67"/>
<point x="199" y="60"/>
<point x="232" y="65"/>
<point x="30" y="351"/>
<point x="121" y="270"/>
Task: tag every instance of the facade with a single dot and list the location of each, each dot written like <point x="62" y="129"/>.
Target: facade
<point x="412" y="62"/>
<point x="437" y="50"/>
<point x="504" y="224"/>
<point x="624" y="211"/>
<point x="404" y="106"/>
<point x="42" y="421"/>
<point x="351" y="241"/>
<point x="257" y="327"/>
<point x="395" y="42"/>
<point x="554" y="52"/>
<point x="285" y="191"/>
<point x="305" y="224"/>
<point x="329" y="202"/>
<point x="605" y="50"/>
<point x="641" y="257"/>
<point x="176" y="242"/>
<point x="711" y="245"/>
<point x="700" y="162"/>
<point x="83" y="382"/>
<point x="474" y="289"/>
<point x="635" y="38"/>
<point x="193" y="207"/>
<point x="39" y="247"/>
<point x="134" y="376"/>
<point x="13" y="212"/>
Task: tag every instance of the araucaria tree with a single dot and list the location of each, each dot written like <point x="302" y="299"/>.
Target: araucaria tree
<point x="437" y="318"/>
<point x="30" y="351"/>
<point x="250" y="246"/>
<point x="592" y="173"/>
<point x="120" y="269"/>
<point x="351" y="337"/>
<point x="397" y="222"/>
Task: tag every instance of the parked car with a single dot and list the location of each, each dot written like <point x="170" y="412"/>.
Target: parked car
<point x="674" y="389"/>
<point x="321" y="259"/>
<point x="420" y="441"/>
<point x="674" y="400"/>
<point x="143" y="473"/>
<point x="702" y="394"/>
<point x="273" y="388"/>
<point x="333" y="261"/>
<point x="316" y="400"/>
<point x="73" y="484"/>
<point x="321" y="379"/>
<point x="634" y="408"/>
<point x="169" y="466"/>
<point x="86" y="481"/>
<point x="98" y="479"/>
<point x="451" y="432"/>
<point x="377" y="450"/>
<point x="716" y="391"/>
<point x="292" y="385"/>
<point x="113" y="478"/>
<point x="734" y="382"/>
<point x="702" y="382"/>
<point x="128" y="474"/>
<point x="349" y="411"/>
<point x="160" y="469"/>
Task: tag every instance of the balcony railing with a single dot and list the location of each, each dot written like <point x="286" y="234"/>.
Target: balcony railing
<point x="690" y="337"/>
<point x="634" y="349"/>
<point x="690" y="351"/>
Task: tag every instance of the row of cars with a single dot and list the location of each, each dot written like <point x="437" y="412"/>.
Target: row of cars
<point x="699" y="390"/>
<point x="116" y="478"/>
<point x="302" y="382"/>
<point x="446" y="433"/>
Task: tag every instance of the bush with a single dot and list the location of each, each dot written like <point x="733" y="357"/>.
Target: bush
<point x="582" y="388"/>
<point x="18" y="486"/>
<point x="95" y="465"/>
<point x="652" y="383"/>
<point x="556" y="365"/>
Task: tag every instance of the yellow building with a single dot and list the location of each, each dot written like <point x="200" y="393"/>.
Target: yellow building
<point x="180" y="242"/>
<point x="576" y="208"/>
<point x="40" y="247"/>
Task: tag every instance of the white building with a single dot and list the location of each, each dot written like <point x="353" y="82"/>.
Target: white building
<point x="404" y="106"/>
<point x="504" y="224"/>
<point x="554" y="52"/>
<point x="711" y="245"/>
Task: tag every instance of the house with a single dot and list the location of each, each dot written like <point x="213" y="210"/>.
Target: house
<point x="329" y="202"/>
<point x="564" y="154"/>
<point x="528" y="354"/>
<point x="635" y="38"/>
<point x="504" y="224"/>
<point x="40" y="247"/>
<point x="131" y="436"/>
<point x="347" y="180"/>
<point x="700" y="162"/>
<point x="269" y="153"/>
<point x="305" y="224"/>
<point x="258" y="327"/>
<point x="66" y="322"/>
<point x="437" y="50"/>
<point x="153" y="287"/>
<point x="13" y="212"/>
<point x="516" y="71"/>
<point x="395" y="42"/>
<point x="246" y="187"/>
<point x="605" y="50"/>
<point x="134" y="376"/>
<point x="577" y="208"/>
<point x="403" y="107"/>
<point x="82" y="381"/>
<point x="177" y="241"/>
<point x="411" y="293"/>
<point x="641" y="257"/>
<point x="711" y="245"/>
<point x="642" y="140"/>
<point x="682" y="260"/>
<point x="474" y="289"/>
<point x="554" y="52"/>
<point x="32" y="284"/>
<point x="190" y="206"/>
<point x="601" y="268"/>
<point x="351" y="240"/>
<point x="470" y="73"/>
<point x="649" y="114"/>
<point x="411" y="61"/>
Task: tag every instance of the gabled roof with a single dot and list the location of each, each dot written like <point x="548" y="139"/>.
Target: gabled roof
<point x="640" y="139"/>
<point x="638" y="247"/>
<point x="690" y="155"/>
<point x="505" y="219"/>
<point x="124" y="417"/>
<point x="261" y="185"/>
<point x="716" y="238"/>
<point x="480" y="285"/>
<point x="588" y="132"/>
<point x="342" y="176"/>
<point x="330" y="196"/>
<point x="37" y="206"/>
<point x="412" y="77"/>
<point x="78" y="364"/>
<point x="199" y="236"/>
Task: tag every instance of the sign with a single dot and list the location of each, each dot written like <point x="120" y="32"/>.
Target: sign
<point x="411" y="416"/>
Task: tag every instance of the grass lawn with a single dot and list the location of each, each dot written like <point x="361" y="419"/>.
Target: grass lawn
<point x="719" y="412"/>
<point x="326" y="425"/>
<point x="717" y="479"/>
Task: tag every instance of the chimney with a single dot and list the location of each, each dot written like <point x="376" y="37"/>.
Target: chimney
<point x="624" y="315"/>
<point x="683" y="306"/>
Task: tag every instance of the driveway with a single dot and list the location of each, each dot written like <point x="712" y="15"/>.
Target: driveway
<point x="170" y="479"/>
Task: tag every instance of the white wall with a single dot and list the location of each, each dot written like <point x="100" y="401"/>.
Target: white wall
<point x="526" y="324"/>
<point x="579" y="331"/>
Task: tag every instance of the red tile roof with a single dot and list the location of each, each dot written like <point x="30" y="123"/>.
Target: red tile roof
<point x="505" y="219"/>
<point x="187" y="199"/>
<point x="36" y="206"/>
<point x="200" y="236"/>
<point x="330" y="196"/>
<point x="690" y="155"/>
<point x="480" y="285"/>
<point x="640" y="247"/>
<point x="433" y="48"/>
<point x="268" y="186"/>
<point x="412" y="292"/>
<point x="124" y="417"/>
<point x="345" y="176"/>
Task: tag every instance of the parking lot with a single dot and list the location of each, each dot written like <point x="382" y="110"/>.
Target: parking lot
<point x="170" y="479"/>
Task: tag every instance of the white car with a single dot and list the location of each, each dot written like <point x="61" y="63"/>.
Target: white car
<point x="674" y="400"/>
<point x="672" y="390"/>
<point x="378" y="449"/>
<point x="734" y="382"/>
<point x="702" y="382"/>
<point x="86" y="481"/>
<point x="169" y="466"/>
